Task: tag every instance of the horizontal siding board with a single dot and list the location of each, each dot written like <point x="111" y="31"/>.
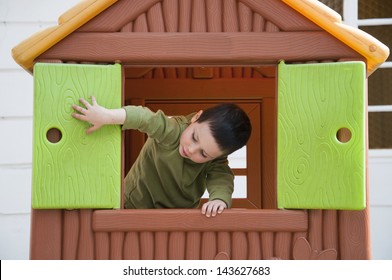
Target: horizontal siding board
<point x="380" y="177"/>
<point x="14" y="236"/>
<point x="381" y="227"/>
<point x="34" y="11"/>
<point x="15" y="196"/>
<point x="11" y="34"/>
<point x="17" y="85"/>
<point x="16" y="141"/>
<point x="192" y="220"/>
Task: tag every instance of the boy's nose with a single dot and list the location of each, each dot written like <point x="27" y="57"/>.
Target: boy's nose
<point x="192" y="149"/>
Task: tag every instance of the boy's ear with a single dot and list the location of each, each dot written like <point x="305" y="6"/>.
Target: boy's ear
<point x="196" y="116"/>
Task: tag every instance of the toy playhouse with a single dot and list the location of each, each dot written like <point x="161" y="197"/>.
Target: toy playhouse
<point x="297" y="70"/>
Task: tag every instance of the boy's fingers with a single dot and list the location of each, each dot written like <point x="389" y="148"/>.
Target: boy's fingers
<point x="91" y="129"/>
<point x="79" y="117"/>
<point x="213" y="212"/>
<point x="203" y="208"/>
<point x="93" y="100"/>
<point x="212" y="209"/>
<point x="78" y="108"/>
<point x="220" y="210"/>
<point x="85" y="103"/>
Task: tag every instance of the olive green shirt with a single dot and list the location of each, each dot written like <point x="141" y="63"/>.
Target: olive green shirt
<point x="160" y="176"/>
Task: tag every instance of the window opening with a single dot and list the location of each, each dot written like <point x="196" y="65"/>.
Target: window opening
<point x="237" y="160"/>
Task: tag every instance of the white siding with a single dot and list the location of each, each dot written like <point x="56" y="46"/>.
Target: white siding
<point x="380" y="167"/>
<point x="20" y="19"/>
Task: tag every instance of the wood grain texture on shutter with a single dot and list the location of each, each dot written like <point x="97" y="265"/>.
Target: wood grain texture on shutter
<point x="316" y="170"/>
<point x="75" y="170"/>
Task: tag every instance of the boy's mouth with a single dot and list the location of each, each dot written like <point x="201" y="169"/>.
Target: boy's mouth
<point x="183" y="152"/>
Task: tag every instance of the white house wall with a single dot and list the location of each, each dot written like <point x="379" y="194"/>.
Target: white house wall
<point x="18" y="20"/>
<point x="380" y="169"/>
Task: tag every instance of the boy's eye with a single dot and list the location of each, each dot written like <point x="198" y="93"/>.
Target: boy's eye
<point x="203" y="154"/>
<point x="193" y="137"/>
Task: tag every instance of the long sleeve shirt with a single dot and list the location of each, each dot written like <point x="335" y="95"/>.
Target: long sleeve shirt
<point x="160" y="176"/>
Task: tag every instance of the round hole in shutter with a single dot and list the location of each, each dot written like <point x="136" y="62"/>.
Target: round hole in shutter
<point x="54" y="135"/>
<point x="344" y="135"/>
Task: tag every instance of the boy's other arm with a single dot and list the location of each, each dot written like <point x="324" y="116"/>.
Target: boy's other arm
<point x="98" y="115"/>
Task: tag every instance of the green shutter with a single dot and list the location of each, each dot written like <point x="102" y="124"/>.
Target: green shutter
<point x="315" y="169"/>
<point x="75" y="170"/>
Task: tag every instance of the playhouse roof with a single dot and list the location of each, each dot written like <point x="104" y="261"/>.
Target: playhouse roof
<point x="373" y="50"/>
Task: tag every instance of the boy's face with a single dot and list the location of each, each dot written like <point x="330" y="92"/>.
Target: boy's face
<point x="197" y="142"/>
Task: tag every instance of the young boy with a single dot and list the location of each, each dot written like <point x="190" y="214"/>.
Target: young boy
<point x="182" y="157"/>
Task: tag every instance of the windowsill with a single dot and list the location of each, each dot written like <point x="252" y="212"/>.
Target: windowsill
<point x="193" y="220"/>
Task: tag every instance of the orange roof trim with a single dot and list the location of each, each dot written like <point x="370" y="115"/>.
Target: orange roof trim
<point x="372" y="49"/>
<point x="369" y="47"/>
<point x="28" y="50"/>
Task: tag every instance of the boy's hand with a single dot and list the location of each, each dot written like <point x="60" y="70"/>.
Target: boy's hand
<point x="97" y="115"/>
<point x="92" y="113"/>
<point x="211" y="208"/>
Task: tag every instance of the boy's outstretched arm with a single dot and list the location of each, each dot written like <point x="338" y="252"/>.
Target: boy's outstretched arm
<point x="213" y="207"/>
<point x="97" y="115"/>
